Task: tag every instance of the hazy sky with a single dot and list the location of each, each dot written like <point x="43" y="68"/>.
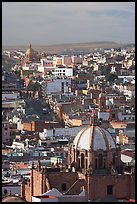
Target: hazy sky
<point x="47" y="23"/>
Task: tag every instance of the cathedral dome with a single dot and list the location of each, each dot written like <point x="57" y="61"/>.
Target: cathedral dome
<point x="12" y="199"/>
<point x="95" y="138"/>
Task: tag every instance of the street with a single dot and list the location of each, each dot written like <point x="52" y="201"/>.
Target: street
<point x="35" y="106"/>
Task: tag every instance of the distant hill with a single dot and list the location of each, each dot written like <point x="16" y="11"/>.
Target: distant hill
<point x="60" y="47"/>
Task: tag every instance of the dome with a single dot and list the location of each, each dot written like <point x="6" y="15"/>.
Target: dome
<point x="94" y="137"/>
<point x="12" y="199"/>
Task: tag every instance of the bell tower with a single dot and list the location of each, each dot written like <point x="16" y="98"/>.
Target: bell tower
<point x="102" y="102"/>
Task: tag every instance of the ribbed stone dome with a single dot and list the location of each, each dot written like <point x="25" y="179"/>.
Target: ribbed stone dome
<point x="94" y="137"/>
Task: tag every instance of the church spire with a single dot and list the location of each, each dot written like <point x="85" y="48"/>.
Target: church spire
<point x="30" y="46"/>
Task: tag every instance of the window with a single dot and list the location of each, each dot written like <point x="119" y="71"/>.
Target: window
<point x="79" y="162"/>
<point x="63" y="187"/>
<point x="5" y="191"/>
<point x="109" y="190"/>
<point x="86" y="153"/>
<point x="104" y="163"/>
<point x="77" y="152"/>
<point x="113" y="115"/>
<point x="86" y="163"/>
<point x="114" y="159"/>
<point x="82" y="160"/>
<point x="100" y="161"/>
<point x="96" y="163"/>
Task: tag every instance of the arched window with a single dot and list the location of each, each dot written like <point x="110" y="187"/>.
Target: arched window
<point x="82" y="160"/>
<point x="63" y="187"/>
<point x="77" y="152"/>
<point x="100" y="161"/>
<point x="5" y="191"/>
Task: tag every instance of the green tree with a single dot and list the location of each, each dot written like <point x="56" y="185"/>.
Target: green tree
<point x="36" y="86"/>
<point x="111" y="77"/>
<point x="106" y="70"/>
<point x="30" y="86"/>
<point x="33" y="86"/>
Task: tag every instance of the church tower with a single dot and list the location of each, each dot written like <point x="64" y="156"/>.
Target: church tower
<point x="102" y="102"/>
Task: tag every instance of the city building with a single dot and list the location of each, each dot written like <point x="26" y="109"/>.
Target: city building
<point x="62" y="71"/>
<point x="60" y="86"/>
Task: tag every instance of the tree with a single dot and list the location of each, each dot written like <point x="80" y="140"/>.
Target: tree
<point x="33" y="86"/>
<point x="36" y="86"/>
<point x="106" y="70"/>
<point x="111" y="77"/>
<point x="30" y="86"/>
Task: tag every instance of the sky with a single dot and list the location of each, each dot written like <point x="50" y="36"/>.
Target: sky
<point x="49" y="23"/>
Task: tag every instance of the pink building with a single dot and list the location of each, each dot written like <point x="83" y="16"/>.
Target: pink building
<point x="67" y="60"/>
<point x="77" y="60"/>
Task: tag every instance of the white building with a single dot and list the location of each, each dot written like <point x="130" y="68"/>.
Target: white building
<point x="45" y="69"/>
<point x="45" y="65"/>
<point x="10" y="95"/>
<point x="58" y="86"/>
<point x="63" y="71"/>
<point x="19" y="125"/>
<point x="128" y="117"/>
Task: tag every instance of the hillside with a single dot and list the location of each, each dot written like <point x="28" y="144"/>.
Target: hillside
<point x="60" y="47"/>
